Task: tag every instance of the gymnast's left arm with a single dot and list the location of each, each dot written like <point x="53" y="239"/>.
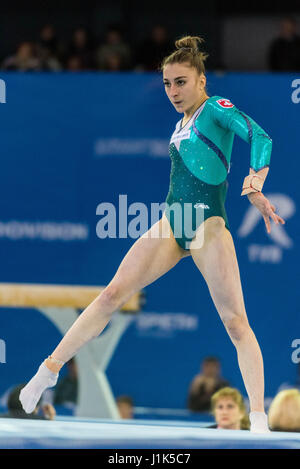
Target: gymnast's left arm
<point x="245" y="127"/>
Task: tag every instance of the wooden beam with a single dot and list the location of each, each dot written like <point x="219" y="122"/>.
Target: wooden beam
<point x="40" y="295"/>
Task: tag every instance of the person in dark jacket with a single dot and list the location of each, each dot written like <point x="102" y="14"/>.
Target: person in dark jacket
<point x="15" y="410"/>
<point x="205" y="384"/>
<point x="284" y="52"/>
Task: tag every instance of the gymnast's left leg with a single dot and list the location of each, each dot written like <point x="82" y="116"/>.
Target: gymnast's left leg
<point x="217" y="262"/>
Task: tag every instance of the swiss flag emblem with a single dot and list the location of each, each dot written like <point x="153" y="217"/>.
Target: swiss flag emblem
<point x="225" y="103"/>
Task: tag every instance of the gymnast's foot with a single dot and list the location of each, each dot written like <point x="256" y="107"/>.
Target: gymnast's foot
<point x="259" y="422"/>
<point x="31" y="393"/>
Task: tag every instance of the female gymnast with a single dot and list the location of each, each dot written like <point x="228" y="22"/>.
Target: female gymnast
<point x="200" y="151"/>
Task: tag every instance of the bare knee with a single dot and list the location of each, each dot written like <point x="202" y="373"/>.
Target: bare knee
<point x="237" y="327"/>
<point x="112" y="297"/>
<point x="214" y="227"/>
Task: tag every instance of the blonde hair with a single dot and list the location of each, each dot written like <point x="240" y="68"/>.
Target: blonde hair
<point x="187" y="51"/>
<point x="236" y="396"/>
<point x="284" y="411"/>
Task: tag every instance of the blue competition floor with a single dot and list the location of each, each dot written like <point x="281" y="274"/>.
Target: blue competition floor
<point x="80" y="433"/>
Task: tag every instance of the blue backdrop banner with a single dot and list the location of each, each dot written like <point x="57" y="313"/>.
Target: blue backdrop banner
<point x="77" y="146"/>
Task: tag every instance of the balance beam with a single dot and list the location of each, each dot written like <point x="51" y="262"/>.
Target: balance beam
<point x="26" y="295"/>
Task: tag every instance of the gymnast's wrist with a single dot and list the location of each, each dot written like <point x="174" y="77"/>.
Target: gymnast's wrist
<point x="254" y="182"/>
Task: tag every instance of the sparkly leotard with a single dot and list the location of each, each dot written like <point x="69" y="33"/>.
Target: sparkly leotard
<point x="200" y="155"/>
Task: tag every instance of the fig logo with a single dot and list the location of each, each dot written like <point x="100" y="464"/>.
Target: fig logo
<point x="269" y="253"/>
<point x="2" y="92"/>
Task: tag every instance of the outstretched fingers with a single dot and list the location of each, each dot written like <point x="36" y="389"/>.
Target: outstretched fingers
<point x="276" y="218"/>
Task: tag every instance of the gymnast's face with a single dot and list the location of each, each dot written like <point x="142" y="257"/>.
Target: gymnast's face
<point x="184" y="86"/>
<point x="228" y="414"/>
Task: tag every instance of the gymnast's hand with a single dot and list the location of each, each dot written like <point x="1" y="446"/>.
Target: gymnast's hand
<point x="266" y="209"/>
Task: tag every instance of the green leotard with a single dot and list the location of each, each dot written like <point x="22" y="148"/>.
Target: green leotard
<point x="200" y="153"/>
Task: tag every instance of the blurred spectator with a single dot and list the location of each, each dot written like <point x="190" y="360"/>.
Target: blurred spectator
<point x="74" y="64"/>
<point x="48" y="62"/>
<point x="48" y="40"/>
<point x="115" y="53"/>
<point x="82" y="47"/>
<point x="66" y="390"/>
<point x="16" y="411"/>
<point x="229" y="410"/>
<point x="154" y="49"/>
<point x="284" y="411"/>
<point x="284" y="52"/>
<point x="24" y="60"/>
<point x="48" y="50"/>
<point x="125" y="407"/>
<point x="205" y="384"/>
<point x="113" y="63"/>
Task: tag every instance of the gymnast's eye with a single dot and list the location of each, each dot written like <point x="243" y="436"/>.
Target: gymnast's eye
<point x="167" y="84"/>
<point x="180" y="82"/>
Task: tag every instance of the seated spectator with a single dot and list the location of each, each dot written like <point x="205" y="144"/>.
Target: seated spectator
<point x="229" y="410"/>
<point x="113" y="63"/>
<point x="205" y="384"/>
<point x="154" y="49"/>
<point x="48" y="62"/>
<point x="66" y="390"/>
<point x="24" y="60"/>
<point x="284" y="52"/>
<point x="48" y="40"/>
<point x="15" y="409"/>
<point x="284" y="411"/>
<point x="125" y="407"/>
<point x="82" y="46"/>
<point x="114" y="46"/>
<point x="48" y="50"/>
<point x="74" y="64"/>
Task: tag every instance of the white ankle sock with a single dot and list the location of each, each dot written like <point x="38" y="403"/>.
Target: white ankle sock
<point x="31" y="393"/>
<point x="259" y="422"/>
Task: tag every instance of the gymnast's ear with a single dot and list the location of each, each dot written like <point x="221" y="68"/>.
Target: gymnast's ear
<point x="201" y="80"/>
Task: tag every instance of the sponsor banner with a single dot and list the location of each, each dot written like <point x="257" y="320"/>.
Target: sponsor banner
<point x="106" y="147"/>
<point x="45" y="231"/>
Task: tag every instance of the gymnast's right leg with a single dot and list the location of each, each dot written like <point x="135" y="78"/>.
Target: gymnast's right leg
<point x="150" y="257"/>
